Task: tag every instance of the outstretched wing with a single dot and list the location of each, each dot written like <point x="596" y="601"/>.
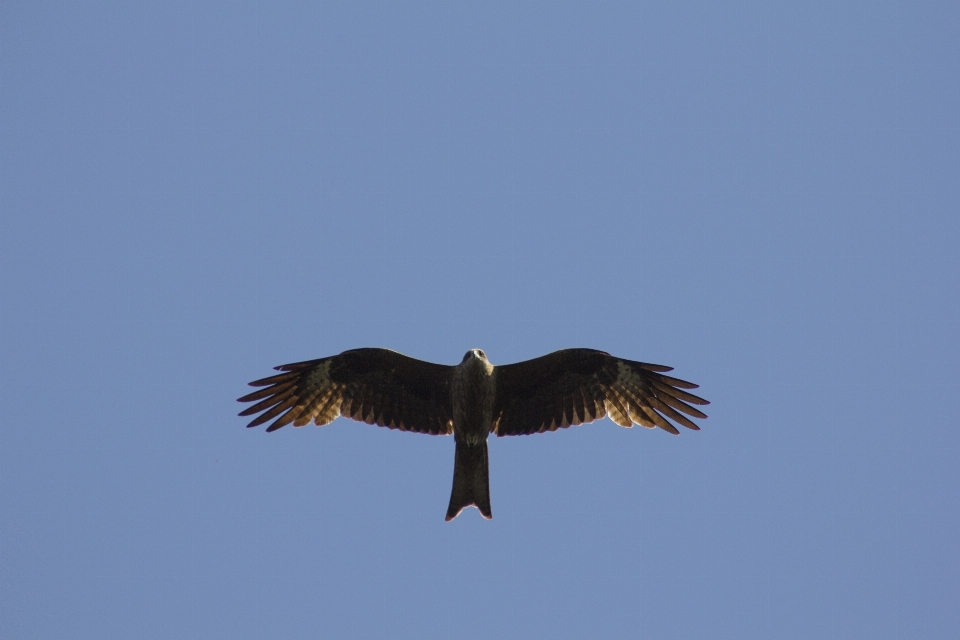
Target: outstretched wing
<point x="376" y="386"/>
<point x="576" y="386"/>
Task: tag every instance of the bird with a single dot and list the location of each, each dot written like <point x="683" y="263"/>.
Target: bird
<point x="473" y="400"/>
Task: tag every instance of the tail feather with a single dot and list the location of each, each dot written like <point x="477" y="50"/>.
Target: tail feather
<point x="471" y="480"/>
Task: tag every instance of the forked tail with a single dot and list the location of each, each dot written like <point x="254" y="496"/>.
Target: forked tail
<point x="471" y="480"/>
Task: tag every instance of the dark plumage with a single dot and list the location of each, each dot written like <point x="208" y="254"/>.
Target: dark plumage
<point x="473" y="399"/>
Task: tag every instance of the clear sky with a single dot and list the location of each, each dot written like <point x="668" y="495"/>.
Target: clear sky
<point x="764" y="196"/>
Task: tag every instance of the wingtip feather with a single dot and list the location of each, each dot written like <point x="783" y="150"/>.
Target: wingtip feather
<point x="659" y="368"/>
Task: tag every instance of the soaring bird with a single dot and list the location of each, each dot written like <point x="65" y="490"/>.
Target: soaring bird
<point x="472" y="400"/>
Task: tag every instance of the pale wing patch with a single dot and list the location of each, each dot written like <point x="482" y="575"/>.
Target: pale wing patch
<point x="320" y="398"/>
<point x="296" y="397"/>
<point x="633" y="393"/>
<point x="615" y="414"/>
<point x="617" y="410"/>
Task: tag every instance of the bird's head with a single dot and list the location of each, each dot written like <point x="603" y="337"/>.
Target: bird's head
<point x="475" y="353"/>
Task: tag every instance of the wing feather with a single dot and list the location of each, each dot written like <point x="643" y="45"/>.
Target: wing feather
<point x="677" y="393"/>
<point x="566" y="405"/>
<point x="643" y="407"/>
<point x="266" y="404"/>
<point x="674" y="415"/>
<point x="258" y="395"/>
<point x="618" y="412"/>
<point x="681" y="406"/>
<point x="272" y="380"/>
<point x="283" y="421"/>
<point x="579" y="407"/>
<point x="577" y="386"/>
<point x="659" y="368"/>
<point x="376" y="386"/>
<point x="594" y="406"/>
<point x="274" y="412"/>
<point x="677" y="382"/>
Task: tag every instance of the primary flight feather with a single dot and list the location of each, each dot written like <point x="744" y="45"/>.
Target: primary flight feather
<point x="473" y="399"/>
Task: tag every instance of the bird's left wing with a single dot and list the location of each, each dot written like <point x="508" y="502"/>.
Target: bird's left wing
<point x="376" y="386"/>
<point x="575" y="386"/>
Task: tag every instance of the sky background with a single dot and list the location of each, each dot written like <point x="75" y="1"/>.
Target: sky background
<point x="764" y="196"/>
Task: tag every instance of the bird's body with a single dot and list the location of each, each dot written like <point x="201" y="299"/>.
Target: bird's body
<point x="472" y="400"/>
<point x="473" y="391"/>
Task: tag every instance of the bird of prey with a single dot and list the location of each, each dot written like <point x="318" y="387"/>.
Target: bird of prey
<point x="472" y="400"/>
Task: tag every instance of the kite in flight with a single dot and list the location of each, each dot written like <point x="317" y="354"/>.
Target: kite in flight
<point x="472" y="400"/>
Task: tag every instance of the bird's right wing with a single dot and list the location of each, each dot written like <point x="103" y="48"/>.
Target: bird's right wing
<point x="376" y="386"/>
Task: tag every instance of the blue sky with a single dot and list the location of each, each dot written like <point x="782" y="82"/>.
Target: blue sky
<point x="763" y="196"/>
